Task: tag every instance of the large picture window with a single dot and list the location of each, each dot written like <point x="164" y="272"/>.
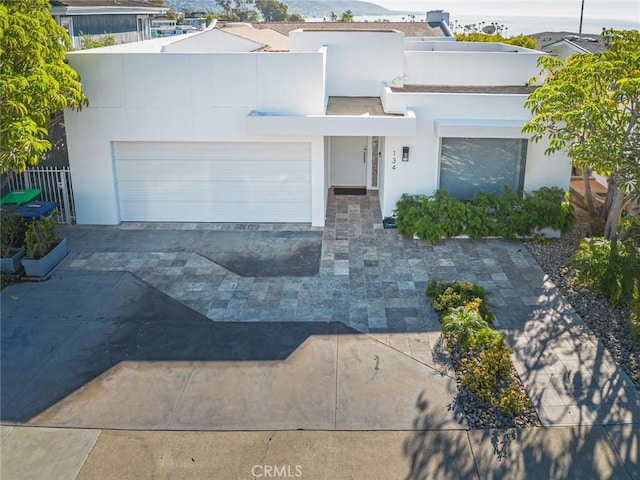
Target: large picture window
<point x="469" y="165"/>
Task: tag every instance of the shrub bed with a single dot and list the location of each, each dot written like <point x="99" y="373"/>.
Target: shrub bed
<point x="491" y="393"/>
<point x="506" y="215"/>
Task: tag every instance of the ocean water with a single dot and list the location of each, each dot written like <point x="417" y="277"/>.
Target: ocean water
<point x="522" y="16"/>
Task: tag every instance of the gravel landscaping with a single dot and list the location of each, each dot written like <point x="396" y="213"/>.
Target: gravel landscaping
<point x="482" y="415"/>
<point x="609" y="324"/>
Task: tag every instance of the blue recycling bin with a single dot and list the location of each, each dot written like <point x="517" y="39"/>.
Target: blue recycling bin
<point x="33" y="210"/>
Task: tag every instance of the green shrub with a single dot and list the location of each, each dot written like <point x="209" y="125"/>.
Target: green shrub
<point x="462" y="324"/>
<point x="41" y="236"/>
<point x="540" y="239"/>
<point x="432" y="217"/>
<point x="511" y="400"/>
<point x="487" y="337"/>
<point x="12" y="232"/>
<point x="482" y="372"/>
<point x="549" y="208"/>
<point x="446" y="295"/>
<point x="610" y="267"/>
<point x="488" y="376"/>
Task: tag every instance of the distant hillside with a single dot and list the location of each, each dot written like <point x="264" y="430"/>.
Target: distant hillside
<point x="306" y="8"/>
<point x="323" y="8"/>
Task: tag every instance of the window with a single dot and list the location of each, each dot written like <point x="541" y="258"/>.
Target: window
<point x="469" y="165"/>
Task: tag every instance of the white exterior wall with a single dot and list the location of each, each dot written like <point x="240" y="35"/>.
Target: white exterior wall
<point x="181" y="97"/>
<point x="480" y="115"/>
<point x="470" y="67"/>
<point x="357" y="61"/>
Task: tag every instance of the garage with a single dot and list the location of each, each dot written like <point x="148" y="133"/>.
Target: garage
<point x="213" y="182"/>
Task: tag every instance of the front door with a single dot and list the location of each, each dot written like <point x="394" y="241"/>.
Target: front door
<point x="349" y="161"/>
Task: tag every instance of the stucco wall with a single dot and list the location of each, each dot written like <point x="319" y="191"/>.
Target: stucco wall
<point x="179" y="97"/>
<point x="482" y="116"/>
<point x="357" y="61"/>
<point x="469" y="67"/>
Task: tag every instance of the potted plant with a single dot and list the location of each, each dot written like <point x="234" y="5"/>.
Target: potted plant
<point x="12" y="235"/>
<point x="44" y="248"/>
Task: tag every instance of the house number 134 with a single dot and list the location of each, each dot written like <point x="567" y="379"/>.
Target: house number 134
<point x="393" y="161"/>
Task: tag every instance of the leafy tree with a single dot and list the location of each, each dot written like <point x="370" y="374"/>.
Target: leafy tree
<point x="272" y="10"/>
<point x="518" y="40"/>
<point x="295" y="17"/>
<point x="238" y="10"/>
<point x="34" y="81"/>
<point x="346" y="16"/>
<point x="589" y="105"/>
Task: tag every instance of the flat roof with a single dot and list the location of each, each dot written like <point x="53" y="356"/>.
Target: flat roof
<point x="357" y="106"/>
<point x="410" y="29"/>
<point x="489" y="89"/>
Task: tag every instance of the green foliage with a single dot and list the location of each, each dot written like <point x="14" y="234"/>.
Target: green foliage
<point x="512" y="400"/>
<point x="634" y="316"/>
<point x="462" y="324"/>
<point x="238" y="10"/>
<point x="272" y="10"/>
<point x="93" y="42"/>
<point x="485" y="367"/>
<point x="12" y="233"/>
<point x="518" y="40"/>
<point x="432" y="217"/>
<point x="488" y="375"/>
<point x="445" y="296"/>
<point x="295" y="18"/>
<point x="485" y="338"/>
<point x="588" y="107"/>
<point x="346" y="16"/>
<point x="34" y="81"/>
<point x="483" y="370"/>
<point x="41" y="236"/>
<point x="540" y="239"/>
<point x="610" y="267"/>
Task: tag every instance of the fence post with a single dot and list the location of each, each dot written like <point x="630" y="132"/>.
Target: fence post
<point x="26" y="179"/>
<point x="65" y="196"/>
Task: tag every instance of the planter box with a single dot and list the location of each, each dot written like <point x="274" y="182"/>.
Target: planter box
<point x="44" y="265"/>
<point x="12" y="264"/>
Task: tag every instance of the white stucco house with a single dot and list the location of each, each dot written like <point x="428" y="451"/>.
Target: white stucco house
<point x="219" y="127"/>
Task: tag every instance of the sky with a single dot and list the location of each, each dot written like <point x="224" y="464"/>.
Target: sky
<point x="597" y="13"/>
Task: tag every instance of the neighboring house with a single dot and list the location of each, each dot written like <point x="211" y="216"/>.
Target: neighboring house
<point x="164" y="27"/>
<point x="563" y="44"/>
<point x="199" y="23"/>
<point x="126" y="20"/>
<point x="214" y="127"/>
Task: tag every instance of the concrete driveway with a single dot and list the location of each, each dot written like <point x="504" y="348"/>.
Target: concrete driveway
<point x="144" y="327"/>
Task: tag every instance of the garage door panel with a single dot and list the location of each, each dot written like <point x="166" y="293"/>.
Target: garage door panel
<point x="206" y="171"/>
<point x="213" y="182"/>
<point x="204" y="192"/>
<point x="218" y="212"/>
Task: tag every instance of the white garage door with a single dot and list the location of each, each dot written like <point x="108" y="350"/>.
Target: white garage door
<point x="213" y="182"/>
